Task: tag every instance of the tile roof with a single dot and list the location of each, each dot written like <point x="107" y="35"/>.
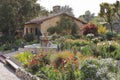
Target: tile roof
<point x="39" y="20"/>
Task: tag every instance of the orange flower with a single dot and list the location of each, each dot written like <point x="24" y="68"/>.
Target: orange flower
<point x="56" y="70"/>
<point x="71" y="56"/>
<point x="76" y="61"/>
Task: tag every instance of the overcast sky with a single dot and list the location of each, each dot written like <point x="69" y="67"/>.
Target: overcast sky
<point x="79" y="6"/>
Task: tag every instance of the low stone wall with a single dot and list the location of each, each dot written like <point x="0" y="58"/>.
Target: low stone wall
<point x="21" y="73"/>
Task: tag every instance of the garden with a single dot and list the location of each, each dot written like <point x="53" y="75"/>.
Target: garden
<point x="88" y="57"/>
<point x="89" y="51"/>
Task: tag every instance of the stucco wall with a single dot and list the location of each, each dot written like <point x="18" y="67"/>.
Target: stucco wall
<point x="48" y="23"/>
<point x="29" y="26"/>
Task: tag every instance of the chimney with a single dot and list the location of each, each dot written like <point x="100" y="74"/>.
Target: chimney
<point x="56" y="9"/>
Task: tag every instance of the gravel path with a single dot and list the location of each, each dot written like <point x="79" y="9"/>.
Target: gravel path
<point x="6" y="73"/>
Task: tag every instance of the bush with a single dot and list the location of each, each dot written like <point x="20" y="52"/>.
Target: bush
<point x="5" y="38"/>
<point x="23" y="57"/>
<point x="51" y="30"/>
<point x="7" y="46"/>
<point x="108" y="49"/>
<point x="103" y="69"/>
<point x="90" y="28"/>
<point x="102" y="30"/>
<point x="110" y="35"/>
<point x="29" y="37"/>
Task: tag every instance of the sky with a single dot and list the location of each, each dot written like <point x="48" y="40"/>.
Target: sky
<point x="79" y="6"/>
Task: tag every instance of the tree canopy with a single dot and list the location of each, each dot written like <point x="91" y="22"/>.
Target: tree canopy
<point x="110" y="13"/>
<point x="66" y="9"/>
<point x="88" y="16"/>
<point x="14" y="13"/>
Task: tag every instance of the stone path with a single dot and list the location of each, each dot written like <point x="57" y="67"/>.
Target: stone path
<point x="6" y="73"/>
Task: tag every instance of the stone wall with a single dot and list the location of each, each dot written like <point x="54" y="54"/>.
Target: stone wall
<point x="21" y="73"/>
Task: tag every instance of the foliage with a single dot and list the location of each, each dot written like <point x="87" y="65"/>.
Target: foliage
<point x="103" y="69"/>
<point x="23" y="57"/>
<point x="63" y="59"/>
<point x="4" y="39"/>
<point x="29" y="37"/>
<point x="9" y="42"/>
<point x="90" y="28"/>
<point x="108" y="49"/>
<point x="110" y="12"/>
<point x="66" y="9"/>
<point x="7" y="46"/>
<point x="51" y="30"/>
<point x="63" y="65"/>
<point x="37" y="62"/>
<point x="9" y="10"/>
<point x="90" y="35"/>
<point x="86" y="50"/>
<point x="87" y="16"/>
<point x="95" y="40"/>
<point x="69" y="37"/>
<point x="69" y="44"/>
<point x="110" y="35"/>
<point x="102" y="30"/>
<point x="65" y="26"/>
<point x="116" y="10"/>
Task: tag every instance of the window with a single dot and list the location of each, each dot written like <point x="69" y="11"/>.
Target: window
<point x="35" y="31"/>
<point x="26" y="30"/>
<point x="30" y="30"/>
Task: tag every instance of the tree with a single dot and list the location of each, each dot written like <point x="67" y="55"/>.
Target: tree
<point x="87" y="16"/>
<point x="116" y="10"/>
<point x="107" y="12"/>
<point x="65" y="9"/>
<point x="65" y="26"/>
<point x="14" y="13"/>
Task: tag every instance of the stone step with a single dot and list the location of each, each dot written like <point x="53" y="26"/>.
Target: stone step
<point x="12" y="64"/>
<point x="2" y="59"/>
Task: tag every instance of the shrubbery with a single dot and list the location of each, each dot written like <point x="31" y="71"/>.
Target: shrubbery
<point x="29" y="37"/>
<point x="103" y="69"/>
<point x="110" y="35"/>
<point x="90" y="28"/>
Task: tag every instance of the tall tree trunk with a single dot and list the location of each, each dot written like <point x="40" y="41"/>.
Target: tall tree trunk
<point x="111" y="27"/>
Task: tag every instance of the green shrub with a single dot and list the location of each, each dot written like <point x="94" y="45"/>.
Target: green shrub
<point x="69" y="37"/>
<point x="110" y="35"/>
<point x="110" y="49"/>
<point x="5" y="38"/>
<point x="51" y="30"/>
<point x="7" y="46"/>
<point x="29" y="37"/>
<point x="86" y="50"/>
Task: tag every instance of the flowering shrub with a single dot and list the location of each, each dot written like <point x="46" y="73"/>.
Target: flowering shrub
<point x="103" y="69"/>
<point x="90" y="28"/>
<point x="102" y="30"/>
<point x="90" y="35"/>
<point x="37" y="61"/>
<point x="62" y="60"/>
